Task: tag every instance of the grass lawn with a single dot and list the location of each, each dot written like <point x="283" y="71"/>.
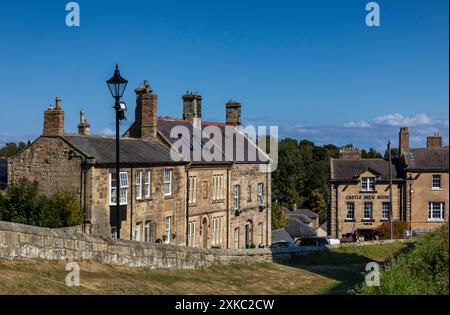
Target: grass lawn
<point x="329" y="272"/>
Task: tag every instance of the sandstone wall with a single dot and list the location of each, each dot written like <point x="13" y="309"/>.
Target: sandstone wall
<point x="27" y="242"/>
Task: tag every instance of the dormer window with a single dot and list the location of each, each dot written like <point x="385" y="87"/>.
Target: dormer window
<point x="368" y="184"/>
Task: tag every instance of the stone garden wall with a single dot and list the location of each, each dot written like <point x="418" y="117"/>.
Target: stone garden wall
<point x="19" y="241"/>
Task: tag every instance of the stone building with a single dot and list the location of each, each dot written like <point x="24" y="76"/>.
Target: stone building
<point x="166" y="196"/>
<point x="426" y="183"/>
<point x="360" y="197"/>
<point x="228" y="198"/>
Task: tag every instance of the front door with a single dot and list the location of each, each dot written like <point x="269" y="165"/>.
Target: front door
<point x="247" y="235"/>
<point x="205" y="232"/>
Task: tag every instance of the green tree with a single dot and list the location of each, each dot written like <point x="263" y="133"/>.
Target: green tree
<point x="372" y="154"/>
<point x="317" y="203"/>
<point x="11" y="149"/>
<point x="21" y="203"/>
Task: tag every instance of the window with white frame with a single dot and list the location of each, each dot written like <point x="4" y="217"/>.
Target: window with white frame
<point x="436" y="182"/>
<point x="385" y="210"/>
<point x="236" y="193"/>
<point x="218" y="187"/>
<point x="350" y="211"/>
<point x="217" y="231"/>
<point x="168" y="228"/>
<point x="261" y="194"/>
<point x="236" y="238"/>
<point x="147" y="191"/>
<point x="191" y="233"/>
<point x="138" y="176"/>
<point x="123" y="176"/>
<point x="436" y="211"/>
<point x="368" y="184"/>
<point x="167" y="182"/>
<point x="147" y="232"/>
<point x="137" y="232"/>
<point x="368" y="211"/>
<point x="260" y="234"/>
<point x="192" y="189"/>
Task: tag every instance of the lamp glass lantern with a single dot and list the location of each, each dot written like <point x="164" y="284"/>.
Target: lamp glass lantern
<point x="117" y="84"/>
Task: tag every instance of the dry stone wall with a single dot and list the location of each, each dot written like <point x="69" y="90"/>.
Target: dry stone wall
<point x="19" y="241"/>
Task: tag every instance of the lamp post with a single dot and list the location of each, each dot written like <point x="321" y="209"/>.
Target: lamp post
<point x="391" y="212"/>
<point x="117" y="85"/>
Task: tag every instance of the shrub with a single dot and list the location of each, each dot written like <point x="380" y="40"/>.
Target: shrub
<point x="21" y="203"/>
<point x="424" y="270"/>
<point x="384" y="230"/>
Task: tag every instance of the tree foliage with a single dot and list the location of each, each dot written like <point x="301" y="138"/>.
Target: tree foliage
<point x="11" y="149"/>
<point x="21" y="203"/>
<point x="303" y="174"/>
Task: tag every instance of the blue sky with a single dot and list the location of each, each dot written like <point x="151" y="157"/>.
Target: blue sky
<point x="312" y="67"/>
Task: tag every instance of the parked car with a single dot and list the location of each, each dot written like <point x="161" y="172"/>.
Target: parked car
<point x="312" y="241"/>
<point x="333" y="241"/>
<point x="284" y="244"/>
<point x="317" y="241"/>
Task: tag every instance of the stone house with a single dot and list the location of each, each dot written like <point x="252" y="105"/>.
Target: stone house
<point x="360" y="197"/>
<point x="426" y="183"/>
<point x="166" y="196"/>
<point x="85" y="164"/>
<point x="228" y="198"/>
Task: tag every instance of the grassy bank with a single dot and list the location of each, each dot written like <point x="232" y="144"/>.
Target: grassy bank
<point x="422" y="270"/>
<point x="331" y="272"/>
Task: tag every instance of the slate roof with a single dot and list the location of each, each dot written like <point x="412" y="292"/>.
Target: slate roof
<point x="427" y="159"/>
<point x="132" y="151"/>
<point x="295" y="214"/>
<point x="280" y="236"/>
<point x="165" y="125"/>
<point x="309" y="213"/>
<point x="351" y="169"/>
<point x="297" y="229"/>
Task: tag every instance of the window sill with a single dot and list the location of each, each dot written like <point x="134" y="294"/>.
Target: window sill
<point x="368" y="191"/>
<point x="349" y="220"/>
<point x="168" y="197"/>
<point x="368" y="220"/>
<point x="384" y="220"/>
<point x="144" y="199"/>
<point x="436" y="221"/>
<point x="218" y="201"/>
<point x="436" y="189"/>
<point x="193" y="204"/>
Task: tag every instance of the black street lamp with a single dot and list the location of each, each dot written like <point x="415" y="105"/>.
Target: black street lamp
<point x="117" y="85"/>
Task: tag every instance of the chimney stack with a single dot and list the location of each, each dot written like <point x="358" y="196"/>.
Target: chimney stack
<point x="54" y="120"/>
<point x="233" y="113"/>
<point x="350" y="153"/>
<point x="434" y="141"/>
<point x="403" y="141"/>
<point x="146" y="123"/>
<point x="192" y="106"/>
<point x="84" y="128"/>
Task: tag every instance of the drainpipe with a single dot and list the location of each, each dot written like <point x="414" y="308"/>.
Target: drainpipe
<point x="228" y="207"/>
<point x="187" y="207"/>
<point x="268" y="228"/>
<point x="131" y="204"/>
<point x="337" y="212"/>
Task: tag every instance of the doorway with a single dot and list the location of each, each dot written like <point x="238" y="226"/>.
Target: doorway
<point x="205" y="232"/>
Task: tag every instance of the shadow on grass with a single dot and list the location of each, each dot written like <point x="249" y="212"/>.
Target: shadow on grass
<point x="347" y="268"/>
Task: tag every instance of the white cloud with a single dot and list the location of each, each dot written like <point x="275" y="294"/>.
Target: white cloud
<point x="107" y="132"/>
<point x="360" y="124"/>
<point x="399" y="120"/>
